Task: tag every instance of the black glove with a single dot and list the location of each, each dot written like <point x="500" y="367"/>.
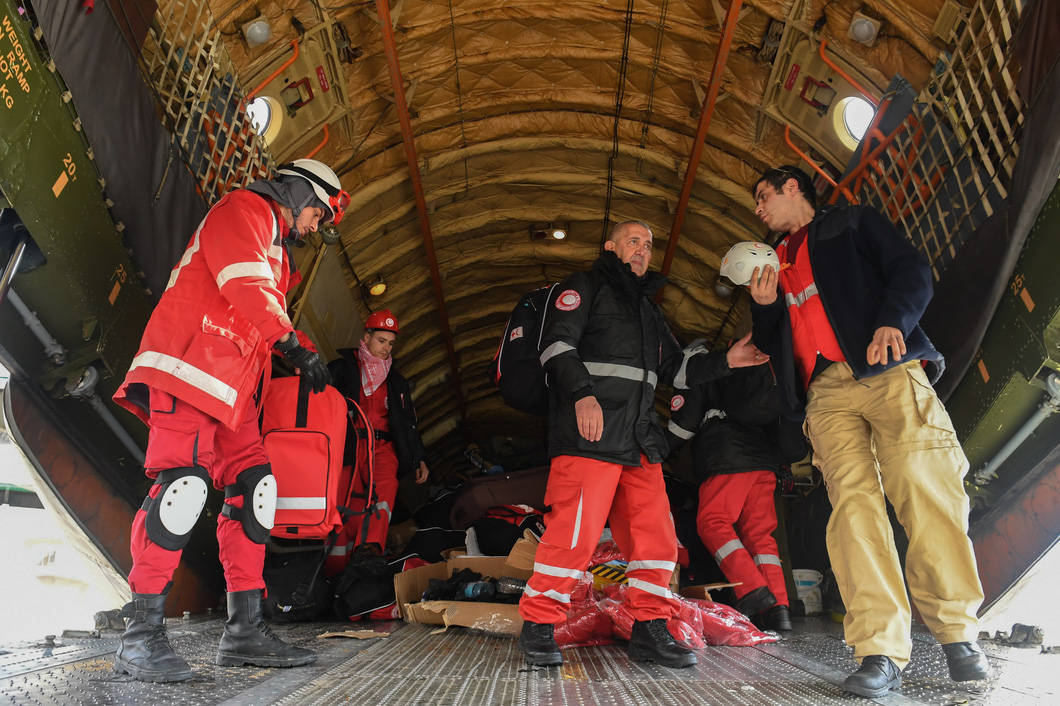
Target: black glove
<point x="309" y="364"/>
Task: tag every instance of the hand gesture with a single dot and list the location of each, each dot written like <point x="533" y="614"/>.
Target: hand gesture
<point x="744" y="354"/>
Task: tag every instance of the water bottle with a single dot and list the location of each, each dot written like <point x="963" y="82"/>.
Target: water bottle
<point x="477" y="591"/>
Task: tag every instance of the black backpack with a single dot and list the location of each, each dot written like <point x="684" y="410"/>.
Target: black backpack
<point x="516" y="368"/>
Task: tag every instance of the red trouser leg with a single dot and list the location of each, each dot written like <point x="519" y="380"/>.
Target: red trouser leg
<point x="335" y="562"/>
<point x="721" y="503"/>
<point x="181" y="437"/>
<point x="644" y="530"/>
<point x="756" y="525"/>
<point x="385" y="479"/>
<point x="236" y="451"/>
<point x="580" y="493"/>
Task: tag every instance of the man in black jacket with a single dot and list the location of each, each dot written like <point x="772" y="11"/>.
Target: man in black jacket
<point x="604" y="349"/>
<point x="844" y="333"/>
<point x="366" y="375"/>
<point x="739" y="442"/>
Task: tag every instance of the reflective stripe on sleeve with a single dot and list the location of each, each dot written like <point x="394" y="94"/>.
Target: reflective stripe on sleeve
<point x="679" y="432"/>
<point x="626" y="372"/>
<point x="767" y="559"/>
<point x="258" y="270"/>
<point x="199" y="379"/>
<point x="727" y="549"/>
<point x="554" y="350"/>
<point x="681" y="379"/>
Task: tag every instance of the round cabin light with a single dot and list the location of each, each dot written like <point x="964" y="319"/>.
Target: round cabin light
<point x="863" y="30"/>
<point x="260" y="112"/>
<point x="559" y="233"/>
<point x="857" y="115"/>
<point x="257" y="32"/>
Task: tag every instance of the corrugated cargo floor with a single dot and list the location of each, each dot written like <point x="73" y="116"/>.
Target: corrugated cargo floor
<point x="461" y="667"/>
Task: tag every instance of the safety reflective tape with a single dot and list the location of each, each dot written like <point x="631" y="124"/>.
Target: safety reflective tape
<point x="385" y="507"/>
<point x="337" y="551"/>
<point x="199" y="379"/>
<point x="650" y="564"/>
<point x="681" y="379"/>
<point x="800" y="298"/>
<point x="679" y="431"/>
<point x="578" y="520"/>
<point x="767" y="559"/>
<point x="650" y="588"/>
<point x="554" y="350"/>
<point x="304" y="503"/>
<point x="558" y="571"/>
<point x="727" y="549"/>
<point x="257" y="270"/>
<point x="554" y="595"/>
<point x="193" y="248"/>
<point x="626" y="372"/>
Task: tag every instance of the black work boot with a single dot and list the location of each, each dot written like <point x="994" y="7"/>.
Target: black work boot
<point x="777" y="619"/>
<point x="877" y="676"/>
<point x="966" y="661"/>
<point x="651" y="641"/>
<point x="144" y="651"/>
<point x="248" y="640"/>
<point x="756" y="601"/>
<point x="538" y="643"/>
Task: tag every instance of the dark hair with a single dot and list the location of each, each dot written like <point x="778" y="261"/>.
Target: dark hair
<point x="625" y="224"/>
<point x="777" y="177"/>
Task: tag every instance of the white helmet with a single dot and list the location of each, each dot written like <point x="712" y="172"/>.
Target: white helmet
<point x="743" y="258"/>
<point x="324" y="182"/>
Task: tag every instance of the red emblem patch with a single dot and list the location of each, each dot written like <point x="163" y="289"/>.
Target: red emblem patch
<point x="568" y="300"/>
<point x="517" y="332"/>
<point x="677" y="403"/>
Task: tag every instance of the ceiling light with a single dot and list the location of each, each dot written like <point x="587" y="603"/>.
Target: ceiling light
<point x="559" y="233"/>
<point x="257" y="32"/>
<point x="863" y="29"/>
<point x="377" y="286"/>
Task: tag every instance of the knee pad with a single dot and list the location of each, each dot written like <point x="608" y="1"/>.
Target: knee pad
<point x="257" y="487"/>
<point x="172" y="513"/>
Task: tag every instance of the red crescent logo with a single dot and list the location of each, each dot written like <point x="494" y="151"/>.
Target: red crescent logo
<point x="568" y="300"/>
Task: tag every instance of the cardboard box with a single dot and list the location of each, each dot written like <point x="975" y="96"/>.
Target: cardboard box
<point x="703" y="591"/>
<point x="496" y="618"/>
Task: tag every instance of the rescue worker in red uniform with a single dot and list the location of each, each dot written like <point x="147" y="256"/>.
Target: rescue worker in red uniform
<point x="841" y="317"/>
<point x="195" y="381"/>
<point x="739" y="441"/>
<point x="366" y="374"/>
<point x="605" y="346"/>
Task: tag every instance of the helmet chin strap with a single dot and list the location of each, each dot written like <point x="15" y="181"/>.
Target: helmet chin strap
<point x="293" y="231"/>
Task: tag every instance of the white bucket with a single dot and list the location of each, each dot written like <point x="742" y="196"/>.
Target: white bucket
<point x="808" y="589"/>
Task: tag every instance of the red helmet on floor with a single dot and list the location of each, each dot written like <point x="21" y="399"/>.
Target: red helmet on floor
<point x="381" y="320"/>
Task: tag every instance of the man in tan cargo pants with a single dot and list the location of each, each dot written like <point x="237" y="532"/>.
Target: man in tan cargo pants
<point x="840" y="320"/>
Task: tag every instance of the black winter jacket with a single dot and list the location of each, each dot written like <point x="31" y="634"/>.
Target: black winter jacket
<point x="735" y="425"/>
<point x="607" y="338"/>
<point x="346" y="376"/>
<point x="868" y="275"/>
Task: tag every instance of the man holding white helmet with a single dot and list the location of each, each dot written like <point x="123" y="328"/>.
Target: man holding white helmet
<point x="204" y="354"/>
<point x="840" y="319"/>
